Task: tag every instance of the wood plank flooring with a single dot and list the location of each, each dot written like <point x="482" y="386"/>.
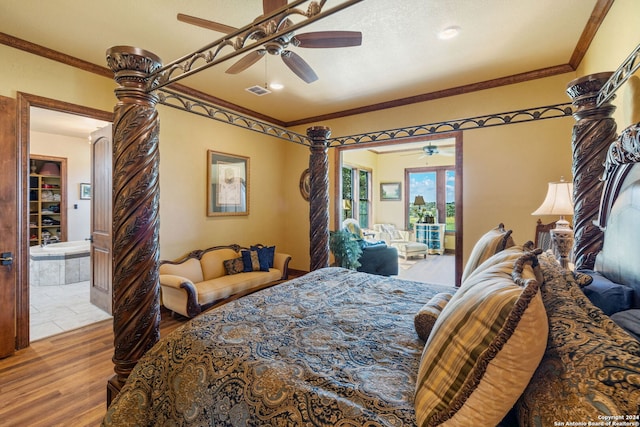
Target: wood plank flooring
<point x="62" y="380"/>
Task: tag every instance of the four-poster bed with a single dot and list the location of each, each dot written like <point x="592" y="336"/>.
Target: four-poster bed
<point x="141" y="76"/>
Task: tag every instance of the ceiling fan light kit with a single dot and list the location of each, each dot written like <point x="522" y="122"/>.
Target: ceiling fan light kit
<point x="279" y="45"/>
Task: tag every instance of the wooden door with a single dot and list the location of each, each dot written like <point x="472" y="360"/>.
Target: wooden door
<point x="9" y="170"/>
<point x="101" y="203"/>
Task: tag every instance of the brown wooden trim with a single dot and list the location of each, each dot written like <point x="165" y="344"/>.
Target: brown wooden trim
<point x="24" y="102"/>
<point x="81" y="64"/>
<point x="474" y="87"/>
<point x="600" y="10"/>
<point x="595" y="20"/>
<point x="9" y="192"/>
<point x="293" y="273"/>
<point x="66" y="107"/>
<point x="225" y="104"/>
<point x="54" y="55"/>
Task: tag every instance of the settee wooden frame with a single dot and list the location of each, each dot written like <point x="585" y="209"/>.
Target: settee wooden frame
<point x="193" y="308"/>
<point x="136" y="301"/>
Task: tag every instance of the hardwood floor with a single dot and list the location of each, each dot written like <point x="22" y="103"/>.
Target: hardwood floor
<point x="62" y="380"/>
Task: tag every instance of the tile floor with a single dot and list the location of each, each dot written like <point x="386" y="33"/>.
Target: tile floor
<point x="56" y="309"/>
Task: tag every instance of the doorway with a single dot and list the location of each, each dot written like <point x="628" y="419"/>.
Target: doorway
<point x="64" y="115"/>
<point x="388" y="162"/>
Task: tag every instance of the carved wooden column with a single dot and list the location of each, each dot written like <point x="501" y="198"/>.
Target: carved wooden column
<point x="136" y="289"/>
<point x="592" y="135"/>
<point x="319" y="197"/>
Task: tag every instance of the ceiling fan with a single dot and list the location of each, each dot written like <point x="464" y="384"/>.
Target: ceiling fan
<point x="280" y="45"/>
<point x="430" y="150"/>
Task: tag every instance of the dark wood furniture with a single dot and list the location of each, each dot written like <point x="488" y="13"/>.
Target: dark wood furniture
<point x="543" y="235"/>
<point x="136" y="298"/>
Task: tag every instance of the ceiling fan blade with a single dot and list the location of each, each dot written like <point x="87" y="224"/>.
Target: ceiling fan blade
<point x="299" y="66"/>
<point x="246" y="61"/>
<point x="269" y="6"/>
<point x="329" y="39"/>
<point x="204" y="23"/>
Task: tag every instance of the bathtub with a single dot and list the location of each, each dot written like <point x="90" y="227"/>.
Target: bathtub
<point x="60" y="263"/>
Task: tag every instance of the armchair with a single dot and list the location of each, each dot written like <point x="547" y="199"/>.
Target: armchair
<point x="401" y="240"/>
<point x="377" y="257"/>
<point x="390" y="234"/>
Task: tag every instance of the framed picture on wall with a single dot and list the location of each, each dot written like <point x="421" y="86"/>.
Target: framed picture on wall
<point x="390" y="191"/>
<point x="85" y="191"/>
<point x="227" y="184"/>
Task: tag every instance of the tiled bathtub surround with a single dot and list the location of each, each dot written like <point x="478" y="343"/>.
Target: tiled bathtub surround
<point x="59" y="264"/>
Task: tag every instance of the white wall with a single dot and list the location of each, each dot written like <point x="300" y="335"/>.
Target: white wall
<point x="77" y="151"/>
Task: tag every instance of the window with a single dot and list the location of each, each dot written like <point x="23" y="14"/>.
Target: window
<point x="356" y="182"/>
<point x="436" y="185"/>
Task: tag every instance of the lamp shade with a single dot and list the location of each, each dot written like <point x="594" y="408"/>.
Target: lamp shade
<point x="559" y="200"/>
<point x="419" y="201"/>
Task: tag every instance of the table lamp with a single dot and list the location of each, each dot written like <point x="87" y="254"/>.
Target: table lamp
<point x="559" y="201"/>
<point x="419" y="203"/>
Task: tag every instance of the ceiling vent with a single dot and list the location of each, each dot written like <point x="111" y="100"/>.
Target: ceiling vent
<point x="258" y="90"/>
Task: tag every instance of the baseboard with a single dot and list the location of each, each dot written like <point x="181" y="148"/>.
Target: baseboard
<point x="293" y="273"/>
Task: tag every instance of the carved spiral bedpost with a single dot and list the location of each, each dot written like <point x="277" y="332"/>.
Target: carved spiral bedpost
<point x="319" y="197"/>
<point x="136" y="289"/>
<point x="592" y="134"/>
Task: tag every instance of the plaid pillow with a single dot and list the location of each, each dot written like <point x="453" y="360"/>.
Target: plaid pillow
<point x="483" y="348"/>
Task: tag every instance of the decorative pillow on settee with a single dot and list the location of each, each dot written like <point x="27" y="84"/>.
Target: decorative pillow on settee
<point x="591" y="367"/>
<point x="483" y="348"/>
<point x="494" y="241"/>
<point x="253" y="262"/>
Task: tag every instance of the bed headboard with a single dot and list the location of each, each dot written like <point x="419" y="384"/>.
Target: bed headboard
<point x="620" y="211"/>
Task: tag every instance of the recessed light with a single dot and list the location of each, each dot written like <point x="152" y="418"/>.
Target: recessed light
<point x="449" y="32"/>
<point x="276" y="86"/>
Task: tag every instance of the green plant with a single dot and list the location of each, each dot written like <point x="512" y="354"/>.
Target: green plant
<point x="346" y="249"/>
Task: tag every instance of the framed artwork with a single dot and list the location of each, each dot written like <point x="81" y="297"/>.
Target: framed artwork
<point x="85" y="191"/>
<point x="390" y="191"/>
<point x="305" y="184"/>
<point x="227" y="184"/>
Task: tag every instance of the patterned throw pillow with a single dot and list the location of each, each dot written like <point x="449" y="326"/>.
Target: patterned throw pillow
<point x="266" y="255"/>
<point x="233" y="266"/>
<point x="582" y="279"/>
<point x="591" y="366"/>
<point x="426" y="317"/>
<point x="483" y="348"/>
<point x="494" y="241"/>
<point x="251" y="261"/>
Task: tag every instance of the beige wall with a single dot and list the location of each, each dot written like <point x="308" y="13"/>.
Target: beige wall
<point x="184" y="141"/>
<point x="506" y="168"/>
<point x="617" y="37"/>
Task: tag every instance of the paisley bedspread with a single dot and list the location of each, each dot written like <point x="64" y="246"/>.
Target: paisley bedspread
<point x="332" y="348"/>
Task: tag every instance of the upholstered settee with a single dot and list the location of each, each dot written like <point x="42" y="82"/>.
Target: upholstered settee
<point x="194" y="283"/>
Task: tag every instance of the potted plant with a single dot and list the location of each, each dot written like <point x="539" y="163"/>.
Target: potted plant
<point x="346" y="249"/>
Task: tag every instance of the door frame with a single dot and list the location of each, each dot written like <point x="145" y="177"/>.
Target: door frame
<point x="458" y="137"/>
<point x="21" y="262"/>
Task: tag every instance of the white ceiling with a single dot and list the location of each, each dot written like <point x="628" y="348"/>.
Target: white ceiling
<point x="57" y="123"/>
<point x="400" y="54"/>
